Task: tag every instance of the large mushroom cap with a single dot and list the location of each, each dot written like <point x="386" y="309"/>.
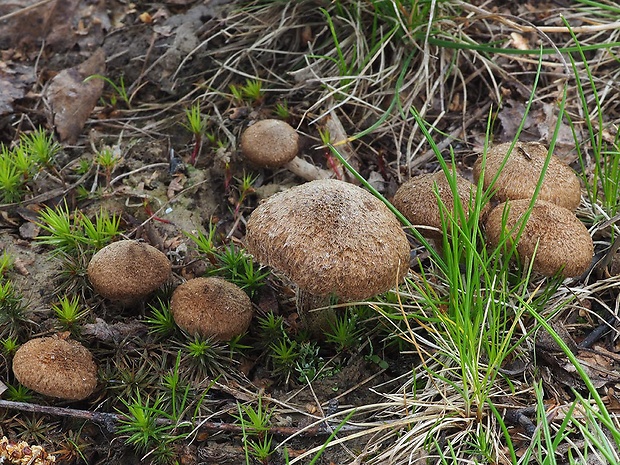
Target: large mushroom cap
<point x="417" y="200"/>
<point x="211" y="307"/>
<point x="330" y="237"/>
<point x="560" y="240"/>
<point x="56" y="368"/>
<point x="520" y="174"/>
<point x="270" y="143"/>
<point x="127" y="271"/>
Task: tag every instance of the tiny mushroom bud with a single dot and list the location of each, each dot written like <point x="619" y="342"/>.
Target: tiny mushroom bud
<point x="331" y="238"/>
<point x="128" y="271"/>
<point x="520" y="174"/>
<point x="417" y="200"/>
<point x="56" y="368"/>
<point x="211" y="307"/>
<point x="560" y="242"/>
<point x="273" y="143"/>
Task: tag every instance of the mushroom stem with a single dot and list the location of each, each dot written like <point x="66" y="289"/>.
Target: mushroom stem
<point x="315" y="312"/>
<point x="306" y="170"/>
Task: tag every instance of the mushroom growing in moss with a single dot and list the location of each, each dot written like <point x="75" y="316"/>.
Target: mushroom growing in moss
<point x="417" y="200"/>
<point x="330" y="238"/>
<point x="560" y="242"/>
<point x="211" y="307"/>
<point x="520" y="174"/>
<point x="128" y="271"/>
<point x="56" y="368"/>
<point x="273" y="143"/>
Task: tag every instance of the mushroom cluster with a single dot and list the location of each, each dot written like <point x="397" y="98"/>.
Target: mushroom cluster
<point x="56" y="367"/>
<point x="330" y="238"/>
<point x="553" y="236"/>
<point x="128" y="271"/>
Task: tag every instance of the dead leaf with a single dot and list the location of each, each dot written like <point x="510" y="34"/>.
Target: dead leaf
<point x="115" y="332"/>
<point x="72" y="100"/>
<point x="15" y="81"/>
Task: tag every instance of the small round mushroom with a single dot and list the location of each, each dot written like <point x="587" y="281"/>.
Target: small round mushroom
<point x="330" y="238"/>
<point x="273" y="143"/>
<point x="56" y="368"/>
<point x="211" y="307"/>
<point x="417" y="200"/>
<point x="128" y="271"/>
<point x="561" y="242"/>
<point x="520" y="174"/>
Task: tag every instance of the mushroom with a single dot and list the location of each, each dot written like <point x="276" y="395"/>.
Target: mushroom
<point x="521" y="172"/>
<point x="273" y="143"/>
<point x="417" y="200"/>
<point x="128" y="271"/>
<point x="561" y="242"/>
<point x="56" y="367"/>
<point x="330" y="238"/>
<point x="211" y="307"/>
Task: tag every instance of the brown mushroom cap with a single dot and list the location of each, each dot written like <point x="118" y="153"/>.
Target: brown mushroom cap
<point x="520" y="174"/>
<point x="127" y="271"/>
<point x="330" y="238"/>
<point x="270" y="143"/>
<point x="564" y="243"/>
<point x="56" y="368"/>
<point x="417" y="200"/>
<point x="211" y="307"/>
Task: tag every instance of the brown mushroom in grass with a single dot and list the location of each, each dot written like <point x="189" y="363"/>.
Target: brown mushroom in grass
<point x="560" y="242"/>
<point x="273" y="143"/>
<point x="417" y="200"/>
<point x="128" y="271"/>
<point x="211" y="307"/>
<point x="520" y="175"/>
<point x="56" y="367"/>
<point x="330" y="238"/>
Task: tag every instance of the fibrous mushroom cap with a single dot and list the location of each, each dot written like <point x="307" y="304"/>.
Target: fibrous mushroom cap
<point x="211" y="307"/>
<point x="520" y="174"/>
<point x="56" y="368"/>
<point x="417" y="200"/>
<point x="560" y="240"/>
<point x="270" y="143"/>
<point x="330" y="237"/>
<point x="128" y="271"/>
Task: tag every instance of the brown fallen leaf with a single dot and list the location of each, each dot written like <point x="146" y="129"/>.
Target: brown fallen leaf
<point x="116" y="332"/>
<point x="71" y="100"/>
<point x="15" y="81"/>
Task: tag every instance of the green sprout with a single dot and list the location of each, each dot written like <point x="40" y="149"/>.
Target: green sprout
<point x="252" y="91"/>
<point x="69" y="313"/>
<point x="9" y="345"/>
<point x="197" y="125"/>
<point x="107" y="159"/>
<point x="246" y="187"/>
<point x="282" y="110"/>
<point x="13" y="310"/>
<point x="119" y="89"/>
<point x="40" y="146"/>
<point x="6" y="262"/>
<point x="344" y="333"/>
<point x="161" y="321"/>
<point x="12" y="177"/>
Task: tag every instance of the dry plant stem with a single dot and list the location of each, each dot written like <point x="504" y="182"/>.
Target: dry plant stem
<point x="109" y="420"/>
<point x="339" y="139"/>
<point x="315" y="313"/>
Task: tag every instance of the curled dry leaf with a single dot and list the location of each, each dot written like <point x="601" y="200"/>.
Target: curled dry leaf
<point x="71" y="100"/>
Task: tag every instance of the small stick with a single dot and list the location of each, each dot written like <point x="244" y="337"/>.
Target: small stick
<point x="110" y="420"/>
